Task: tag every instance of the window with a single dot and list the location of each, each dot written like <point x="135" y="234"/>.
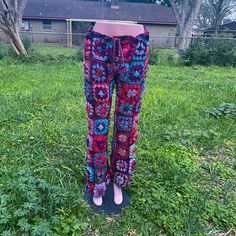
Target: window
<point x="25" y="25"/>
<point x="47" y="24"/>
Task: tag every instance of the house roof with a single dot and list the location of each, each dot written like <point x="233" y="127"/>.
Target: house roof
<point x="60" y="10"/>
<point x="225" y="27"/>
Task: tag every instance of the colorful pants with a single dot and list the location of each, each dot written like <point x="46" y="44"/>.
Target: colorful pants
<point x="120" y="61"/>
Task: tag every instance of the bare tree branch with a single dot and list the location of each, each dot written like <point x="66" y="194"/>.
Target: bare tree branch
<point x="175" y="9"/>
<point x="215" y="12"/>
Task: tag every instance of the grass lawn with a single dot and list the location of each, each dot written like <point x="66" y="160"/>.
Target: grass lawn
<point x="185" y="179"/>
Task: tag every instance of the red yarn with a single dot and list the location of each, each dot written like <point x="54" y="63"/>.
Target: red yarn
<point x="120" y="61"/>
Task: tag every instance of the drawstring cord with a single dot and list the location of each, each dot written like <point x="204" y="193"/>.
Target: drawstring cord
<point x="120" y="49"/>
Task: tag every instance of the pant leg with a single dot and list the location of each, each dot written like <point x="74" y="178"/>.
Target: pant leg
<point x="98" y="89"/>
<point x="130" y="86"/>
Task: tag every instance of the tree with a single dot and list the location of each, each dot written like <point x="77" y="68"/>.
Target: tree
<point x="220" y="10"/>
<point x="186" y="12"/>
<point x="11" y="12"/>
<point x="204" y="17"/>
<point x="214" y="13"/>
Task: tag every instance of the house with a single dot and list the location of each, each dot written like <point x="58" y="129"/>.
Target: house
<point x="53" y="21"/>
<point x="225" y="30"/>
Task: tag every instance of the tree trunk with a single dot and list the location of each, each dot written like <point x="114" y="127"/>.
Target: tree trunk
<point x="13" y="45"/>
<point x="19" y="44"/>
<point x="185" y="15"/>
<point x="15" y="41"/>
<point x="10" y="22"/>
<point x="185" y="34"/>
<point x="218" y="17"/>
<point x="184" y="42"/>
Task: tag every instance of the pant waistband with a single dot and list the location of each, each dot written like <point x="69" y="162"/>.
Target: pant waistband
<point x="115" y="41"/>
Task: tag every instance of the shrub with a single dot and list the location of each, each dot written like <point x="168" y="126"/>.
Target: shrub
<point x="27" y="42"/>
<point x="170" y="58"/>
<point x="35" y="57"/>
<point x="153" y="56"/>
<point x="79" y="54"/>
<point x="6" y="50"/>
<point x="3" y="51"/>
<point x="221" y="52"/>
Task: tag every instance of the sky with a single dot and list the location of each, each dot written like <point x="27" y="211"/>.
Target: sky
<point x="233" y="16"/>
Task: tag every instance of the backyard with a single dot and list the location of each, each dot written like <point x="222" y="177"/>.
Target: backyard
<point x="185" y="179"/>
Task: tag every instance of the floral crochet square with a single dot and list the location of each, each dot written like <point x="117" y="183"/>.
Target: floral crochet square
<point x="122" y="152"/>
<point x="101" y="92"/>
<point x="99" y="143"/>
<point x="99" y="48"/>
<point x="121" y="179"/>
<point x="100" y="126"/>
<point x="122" y="137"/>
<point x="124" y="123"/>
<point x="125" y="108"/>
<point x="140" y="51"/>
<point x="98" y="71"/>
<point x="129" y="92"/>
<point x="99" y="189"/>
<point x="136" y="72"/>
<point x="100" y="160"/>
<point x="122" y="165"/>
<point x="102" y="109"/>
<point x="100" y="175"/>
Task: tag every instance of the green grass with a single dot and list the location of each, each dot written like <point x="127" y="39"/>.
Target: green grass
<point x="167" y="56"/>
<point x="53" y="49"/>
<point x="184" y="182"/>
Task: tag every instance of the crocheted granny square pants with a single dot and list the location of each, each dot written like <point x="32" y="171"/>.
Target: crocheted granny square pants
<point x="108" y="62"/>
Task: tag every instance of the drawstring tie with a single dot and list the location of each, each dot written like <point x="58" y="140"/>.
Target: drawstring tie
<point x="117" y="58"/>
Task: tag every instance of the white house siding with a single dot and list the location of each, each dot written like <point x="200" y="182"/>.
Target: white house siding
<point x="57" y="34"/>
<point x="160" y="35"/>
<point x="37" y="34"/>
